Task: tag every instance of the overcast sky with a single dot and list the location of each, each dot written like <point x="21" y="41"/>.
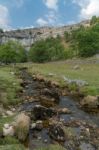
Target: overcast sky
<point x="30" y="13"/>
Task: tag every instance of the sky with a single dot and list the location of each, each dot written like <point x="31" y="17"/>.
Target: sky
<point x="34" y="13"/>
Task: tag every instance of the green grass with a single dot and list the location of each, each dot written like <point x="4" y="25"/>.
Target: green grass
<point x="5" y="120"/>
<point x="52" y="147"/>
<point x="89" y="71"/>
<point x="13" y="147"/>
<point x="9" y="86"/>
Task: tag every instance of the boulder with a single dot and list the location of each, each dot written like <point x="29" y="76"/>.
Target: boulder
<point x="51" y="93"/>
<point x="22" y="126"/>
<point x="90" y="102"/>
<point x="41" y="113"/>
<point x="57" y="133"/>
<point x="9" y="113"/>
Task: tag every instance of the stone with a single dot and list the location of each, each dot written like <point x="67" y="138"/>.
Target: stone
<point x="51" y="93"/>
<point x="39" y="125"/>
<point x="45" y="141"/>
<point x="33" y="125"/>
<point x="90" y="103"/>
<point x="40" y="77"/>
<point x="76" y="67"/>
<point x="9" y="113"/>
<point x="22" y="126"/>
<point x="51" y="74"/>
<point x="39" y="138"/>
<point x="64" y="111"/>
<point x="57" y="133"/>
<point x="8" y="130"/>
<point x="41" y="113"/>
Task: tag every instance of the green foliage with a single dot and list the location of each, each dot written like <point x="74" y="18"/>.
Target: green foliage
<point x="47" y="50"/>
<point x="12" y="52"/>
<point x="88" y="43"/>
<point x="85" y="41"/>
<point x="94" y="20"/>
<point x="8" y="140"/>
<point x="9" y="86"/>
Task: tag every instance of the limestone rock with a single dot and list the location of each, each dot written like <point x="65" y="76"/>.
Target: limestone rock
<point x="22" y="126"/>
<point x="8" y="130"/>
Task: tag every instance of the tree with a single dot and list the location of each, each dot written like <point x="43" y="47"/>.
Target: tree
<point x="88" y="43"/>
<point x="47" y="50"/>
<point x="93" y="20"/>
<point x="12" y="52"/>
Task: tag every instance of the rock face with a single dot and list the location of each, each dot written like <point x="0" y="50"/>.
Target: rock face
<point x="28" y="36"/>
<point x="22" y="126"/>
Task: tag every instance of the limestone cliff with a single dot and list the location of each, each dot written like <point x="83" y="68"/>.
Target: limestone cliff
<point x="28" y="36"/>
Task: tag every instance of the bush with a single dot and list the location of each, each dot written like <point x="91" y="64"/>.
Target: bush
<point x="47" y="50"/>
<point x="12" y="52"/>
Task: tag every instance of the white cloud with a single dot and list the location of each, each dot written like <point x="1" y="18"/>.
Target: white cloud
<point x="51" y="18"/>
<point x="41" y="22"/>
<point x="51" y="4"/>
<point x="88" y="8"/>
<point x="4" y="17"/>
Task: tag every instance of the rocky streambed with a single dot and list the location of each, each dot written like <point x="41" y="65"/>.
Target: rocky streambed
<point x="47" y="117"/>
<point x="56" y="118"/>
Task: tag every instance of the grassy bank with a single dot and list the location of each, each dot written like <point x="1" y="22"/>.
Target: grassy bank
<point x="88" y="71"/>
<point x="9" y="85"/>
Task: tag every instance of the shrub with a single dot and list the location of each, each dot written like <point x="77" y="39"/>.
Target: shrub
<point x="47" y="50"/>
<point x="12" y="52"/>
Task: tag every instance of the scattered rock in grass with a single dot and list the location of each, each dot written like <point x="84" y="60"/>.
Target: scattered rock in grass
<point x="8" y="130"/>
<point x="79" y="83"/>
<point x="77" y="67"/>
<point x="51" y="74"/>
<point x="9" y="113"/>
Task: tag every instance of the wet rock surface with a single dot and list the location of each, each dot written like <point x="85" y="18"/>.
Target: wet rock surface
<point x="56" y="118"/>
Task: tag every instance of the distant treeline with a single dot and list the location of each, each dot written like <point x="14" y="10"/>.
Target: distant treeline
<point x="83" y="42"/>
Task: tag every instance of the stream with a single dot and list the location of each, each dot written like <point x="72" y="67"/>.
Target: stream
<point x="84" y="121"/>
